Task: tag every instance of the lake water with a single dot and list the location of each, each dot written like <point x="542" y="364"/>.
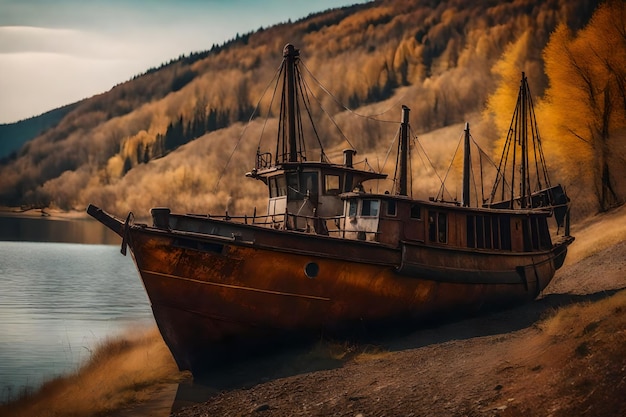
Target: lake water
<point x="59" y="300"/>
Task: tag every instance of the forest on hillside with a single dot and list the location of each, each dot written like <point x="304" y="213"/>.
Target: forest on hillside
<point x="183" y="135"/>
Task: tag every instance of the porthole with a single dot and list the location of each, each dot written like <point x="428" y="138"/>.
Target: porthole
<point x="311" y="270"/>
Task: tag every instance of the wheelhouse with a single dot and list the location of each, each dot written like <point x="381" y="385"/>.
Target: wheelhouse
<point x="310" y="189"/>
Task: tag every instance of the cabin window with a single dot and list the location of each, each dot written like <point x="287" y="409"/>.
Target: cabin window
<point x="527" y="235"/>
<point x="471" y="232"/>
<point x="273" y="187"/>
<point x="416" y="212"/>
<point x="391" y="207"/>
<point x="505" y="232"/>
<point x="489" y="232"/>
<point x="487" y="237"/>
<point x="332" y="184"/>
<point x="432" y="226"/>
<point x="299" y="187"/>
<point x="281" y="185"/>
<point x="437" y="226"/>
<point x="309" y="185"/>
<point x="370" y="208"/>
<point x="495" y="232"/>
<point x="278" y="186"/>
<point x="544" y="233"/>
<point x="293" y="188"/>
<point x="534" y="232"/>
<point x="352" y="206"/>
<point x="485" y="232"/>
<point x="347" y="186"/>
<point x="442" y="227"/>
<point x="480" y="232"/>
<point x="540" y="234"/>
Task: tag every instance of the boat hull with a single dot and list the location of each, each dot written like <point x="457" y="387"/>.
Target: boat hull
<point x="213" y="295"/>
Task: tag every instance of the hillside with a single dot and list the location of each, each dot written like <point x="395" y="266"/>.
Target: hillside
<point x="166" y="137"/>
<point x="14" y="135"/>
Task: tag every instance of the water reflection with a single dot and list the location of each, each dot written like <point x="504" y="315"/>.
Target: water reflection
<point x="46" y="229"/>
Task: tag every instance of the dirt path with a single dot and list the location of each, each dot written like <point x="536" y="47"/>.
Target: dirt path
<point x="507" y="363"/>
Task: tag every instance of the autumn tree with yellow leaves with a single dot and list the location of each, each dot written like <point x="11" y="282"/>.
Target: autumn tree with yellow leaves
<point x="586" y="99"/>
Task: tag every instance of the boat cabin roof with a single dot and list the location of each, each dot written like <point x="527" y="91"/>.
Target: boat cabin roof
<point x="324" y="167"/>
<point x="439" y="204"/>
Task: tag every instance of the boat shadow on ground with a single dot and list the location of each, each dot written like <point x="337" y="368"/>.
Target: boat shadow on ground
<point x="289" y="360"/>
<point x="329" y="354"/>
<point x="491" y="323"/>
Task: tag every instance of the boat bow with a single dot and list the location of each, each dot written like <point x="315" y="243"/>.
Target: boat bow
<point x="109" y="220"/>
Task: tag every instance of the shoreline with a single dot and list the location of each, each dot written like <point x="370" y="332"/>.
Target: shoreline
<point x="46" y="213"/>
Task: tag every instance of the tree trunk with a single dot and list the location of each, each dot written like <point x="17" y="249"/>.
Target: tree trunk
<point x="608" y="197"/>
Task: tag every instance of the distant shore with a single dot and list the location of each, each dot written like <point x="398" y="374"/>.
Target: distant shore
<point x="53" y="225"/>
<point x="46" y="212"/>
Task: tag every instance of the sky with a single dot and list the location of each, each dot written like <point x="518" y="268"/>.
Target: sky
<point x="56" y="52"/>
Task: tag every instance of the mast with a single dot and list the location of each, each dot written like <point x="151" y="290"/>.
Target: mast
<point x="524" y="140"/>
<point x="466" y="167"/>
<point x="403" y="152"/>
<point x="290" y="53"/>
<point x="523" y="125"/>
<point x="528" y="177"/>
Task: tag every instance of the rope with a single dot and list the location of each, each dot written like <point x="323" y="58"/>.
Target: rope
<point x="395" y="137"/>
<point x="343" y="106"/>
<point x="276" y="75"/>
<point x="307" y="105"/>
<point x="327" y="114"/>
<point x="443" y="187"/>
<point x="432" y="166"/>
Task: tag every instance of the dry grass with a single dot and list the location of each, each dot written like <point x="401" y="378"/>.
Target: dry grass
<point x="576" y="358"/>
<point x="122" y="371"/>
<point x="597" y="233"/>
<point x="576" y="321"/>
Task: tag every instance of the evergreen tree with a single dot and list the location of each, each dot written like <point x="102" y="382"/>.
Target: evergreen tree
<point x="146" y="154"/>
<point x="128" y="165"/>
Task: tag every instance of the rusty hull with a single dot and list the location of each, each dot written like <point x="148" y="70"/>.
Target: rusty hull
<point x="212" y="294"/>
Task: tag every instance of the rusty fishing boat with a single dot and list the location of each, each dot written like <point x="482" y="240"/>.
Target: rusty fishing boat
<point x="328" y="256"/>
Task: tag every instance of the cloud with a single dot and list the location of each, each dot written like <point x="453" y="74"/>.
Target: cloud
<point x="31" y="39"/>
<point x="44" y="68"/>
<point x="39" y="81"/>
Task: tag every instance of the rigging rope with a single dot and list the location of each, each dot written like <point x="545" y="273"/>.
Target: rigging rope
<point x="307" y="105"/>
<point x="443" y="187"/>
<point x="416" y="140"/>
<point x="327" y="114"/>
<point x="395" y="137"/>
<point x="343" y="106"/>
<point x="493" y="164"/>
<point x="219" y="178"/>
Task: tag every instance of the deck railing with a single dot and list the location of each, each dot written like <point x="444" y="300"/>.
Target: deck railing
<point x="334" y="226"/>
